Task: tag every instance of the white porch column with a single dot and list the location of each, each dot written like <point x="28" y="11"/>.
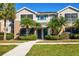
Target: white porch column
<point x="42" y="33"/>
<point x="35" y="33"/>
<point x="49" y="31"/>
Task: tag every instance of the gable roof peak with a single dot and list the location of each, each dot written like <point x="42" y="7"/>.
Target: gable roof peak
<point x="68" y="7"/>
<point x="26" y="9"/>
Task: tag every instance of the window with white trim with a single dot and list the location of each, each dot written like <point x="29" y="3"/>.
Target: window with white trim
<point x="71" y="17"/>
<point x="41" y="17"/>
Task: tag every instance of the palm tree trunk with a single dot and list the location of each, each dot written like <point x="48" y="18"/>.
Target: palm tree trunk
<point x="36" y="32"/>
<point x="54" y="31"/>
<point x="62" y="30"/>
<point x="5" y="29"/>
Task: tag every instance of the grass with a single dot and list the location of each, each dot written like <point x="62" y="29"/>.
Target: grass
<point x="51" y="41"/>
<point x="5" y="48"/>
<point x="54" y="50"/>
<point x="13" y="41"/>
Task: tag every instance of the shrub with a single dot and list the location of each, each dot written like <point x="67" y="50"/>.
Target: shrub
<point x="1" y="37"/>
<point x="57" y="37"/>
<point x="52" y="37"/>
<point x="1" y="33"/>
<point x="8" y="36"/>
<point x="47" y="37"/>
<point x="64" y="36"/>
<point x="29" y="37"/>
<point x="74" y="36"/>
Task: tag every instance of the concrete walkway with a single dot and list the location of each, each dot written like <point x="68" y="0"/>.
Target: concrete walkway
<point x="21" y="50"/>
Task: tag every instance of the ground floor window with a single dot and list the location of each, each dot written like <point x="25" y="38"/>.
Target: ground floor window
<point x="41" y="33"/>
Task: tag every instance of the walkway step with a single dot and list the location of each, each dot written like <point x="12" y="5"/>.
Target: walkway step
<point x="21" y="50"/>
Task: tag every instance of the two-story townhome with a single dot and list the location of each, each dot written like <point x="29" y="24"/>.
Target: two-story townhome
<point x="69" y="12"/>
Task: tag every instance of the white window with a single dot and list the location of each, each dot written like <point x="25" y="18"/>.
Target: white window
<point x="41" y="17"/>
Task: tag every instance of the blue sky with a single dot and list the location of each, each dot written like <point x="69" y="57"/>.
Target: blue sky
<point x="46" y="7"/>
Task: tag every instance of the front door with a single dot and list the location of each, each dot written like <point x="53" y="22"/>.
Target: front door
<point x="45" y="31"/>
<point x="39" y="34"/>
<point x="23" y="31"/>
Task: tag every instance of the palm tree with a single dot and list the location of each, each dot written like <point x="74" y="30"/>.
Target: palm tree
<point x="62" y="22"/>
<point x="36" y="26"/>
<point x="76" y="24"/>
<point x="8" y="13"/>
<point x="57" y="25"/>
<point x="1" y="8"/>
<point x="54" y="25"/>
<point x="27" y="22"/>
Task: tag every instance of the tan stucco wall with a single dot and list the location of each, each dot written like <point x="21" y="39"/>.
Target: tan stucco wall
<point x="16" y="29"/>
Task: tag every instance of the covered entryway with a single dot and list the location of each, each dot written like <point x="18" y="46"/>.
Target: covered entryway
<point x="23" y="31"/>
<point x="41" y="33"/>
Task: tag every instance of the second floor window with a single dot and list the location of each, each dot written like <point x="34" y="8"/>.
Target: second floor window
<point x="42" y="17"/>
<point x="28" y="16"/>
<point x="71" y="17"/>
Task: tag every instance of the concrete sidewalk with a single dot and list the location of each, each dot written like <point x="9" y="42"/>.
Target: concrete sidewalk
<point x="10" y="43"/>
<point x="60" y="43"/>
<point x="21" y="50"/>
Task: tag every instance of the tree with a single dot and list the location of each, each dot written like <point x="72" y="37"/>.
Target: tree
<point x="62" y="22"/>
<point x="1" y="8"/>
<point x="7" y="12"/>
<point x="76" y="24"/>
<point x="27" y="22"/>
<point x="36" y="26"/>
<point x="54" y="25"/>
<point x="57" y="25"/>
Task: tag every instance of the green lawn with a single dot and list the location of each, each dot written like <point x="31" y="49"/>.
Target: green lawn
<point x="5" y="48"/>
<point x="54" y="50"/>
<point x="13" y="41"/>
<point x="51" y="41"/>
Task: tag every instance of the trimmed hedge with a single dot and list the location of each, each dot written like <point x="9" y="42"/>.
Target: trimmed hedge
<point x="52" y="37"/>
<point x="8" y="36"/>
<point x="64" y="36"/>
<point x="74" y="36"/>
<point x="57" y="37"/>
<point x="29" y="37"/>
